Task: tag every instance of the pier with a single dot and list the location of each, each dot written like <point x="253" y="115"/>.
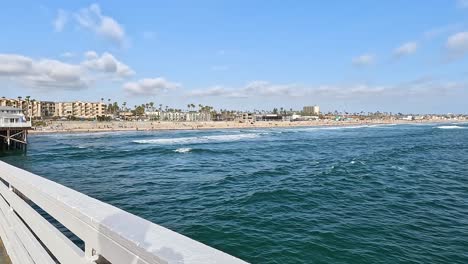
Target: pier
<point x="13" y="129"/>
<point x="109" y="234"/>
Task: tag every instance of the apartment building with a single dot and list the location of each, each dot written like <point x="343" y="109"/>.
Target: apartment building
<point x="79" y="109"/>
<point x="311" y="110"/>
<point x="45" y="109"/>
<point x="179" y="116"/>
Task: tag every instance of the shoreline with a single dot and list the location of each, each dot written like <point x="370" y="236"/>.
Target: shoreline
<point x="63" y="127"/>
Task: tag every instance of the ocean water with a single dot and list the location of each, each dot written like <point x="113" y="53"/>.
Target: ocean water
<point x="367" y="194"/>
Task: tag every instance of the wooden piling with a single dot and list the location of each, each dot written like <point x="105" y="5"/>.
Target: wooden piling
<point x="14" y="138"/>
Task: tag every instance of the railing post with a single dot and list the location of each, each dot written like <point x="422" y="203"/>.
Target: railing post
<point x="90" y="253"/>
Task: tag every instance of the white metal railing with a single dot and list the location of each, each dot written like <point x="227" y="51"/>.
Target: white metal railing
<point x="108" y="232"/>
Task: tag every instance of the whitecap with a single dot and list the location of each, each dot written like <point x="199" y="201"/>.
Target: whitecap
<point x="183" y="150"/>
<point x="449" y="127"/>
<point x="197" y="140"/>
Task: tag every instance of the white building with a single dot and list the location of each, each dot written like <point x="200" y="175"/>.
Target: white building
<point x="12" y="117"/>
<point x="179" y="116"/>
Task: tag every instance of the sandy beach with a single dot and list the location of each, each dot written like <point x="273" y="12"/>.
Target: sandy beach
<point x="93" y="126"/>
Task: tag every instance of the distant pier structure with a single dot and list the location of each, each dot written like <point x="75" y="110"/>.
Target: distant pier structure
<point x="13" y="128"/>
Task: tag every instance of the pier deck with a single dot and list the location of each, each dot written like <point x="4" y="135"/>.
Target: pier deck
<point x="109" y="234"/>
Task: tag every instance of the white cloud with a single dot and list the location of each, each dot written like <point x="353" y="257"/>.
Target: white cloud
<point x="364" y="60"/>
<point x="55" y="74"/>
<point x="438" y="31"/>
<point x="60" y="20"/>
<point x="42" y="73"/>
<point x="12" y="64"/>
<point x="149" y="86"/>
<point x="406" y="49"/>
<point x="457" y="45"/>
<point x="262" y="89"/>
<point x="106" y="63"/>
<point x="92" y="18"/>
<point x="251" y="89"/>
<point x="90" y="55"/>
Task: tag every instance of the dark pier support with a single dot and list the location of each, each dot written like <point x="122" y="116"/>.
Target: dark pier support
<point x="14" y="138"/>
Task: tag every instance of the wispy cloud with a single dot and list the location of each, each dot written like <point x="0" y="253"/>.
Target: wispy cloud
<point x="149" y="86"/>
<point x="91" y="18"/>
<point x="457" y="45"/>
<point x="364" y="60"/>
<point x="442" y="30"/>
<point x="405" y="49"/>
<point x="67" y="54"/>
<point x="60" y="20"/>
<point x="263" y="89"/>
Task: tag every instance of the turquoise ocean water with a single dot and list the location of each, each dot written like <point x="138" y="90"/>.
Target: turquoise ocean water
<point x="368" y="194"/>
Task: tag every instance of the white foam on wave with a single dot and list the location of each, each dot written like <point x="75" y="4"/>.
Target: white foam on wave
<point x="183" y="150"/>
<point x="197" y="140"/>
<point x="450" y="127"/>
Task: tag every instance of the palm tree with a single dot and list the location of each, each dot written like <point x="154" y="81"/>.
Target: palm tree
<point x="124" y="105"/>
<point x="152" y="106"/>
<point x="188" y="106"/>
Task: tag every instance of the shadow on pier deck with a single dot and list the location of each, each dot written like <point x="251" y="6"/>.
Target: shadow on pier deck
<point x="4" y="259"/>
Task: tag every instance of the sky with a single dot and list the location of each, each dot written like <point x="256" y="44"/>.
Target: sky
<point x="361" y="55"/>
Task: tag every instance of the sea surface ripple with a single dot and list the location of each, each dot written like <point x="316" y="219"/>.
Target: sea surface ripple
<point x="368" y="194"/>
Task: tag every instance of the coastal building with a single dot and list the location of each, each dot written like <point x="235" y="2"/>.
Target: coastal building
<point x="179" y="116"/>
<point x="270" y="117"/>
<point x="311" y="110"/>
<point x="12" y="117"/>
<point x="78" y="109"/>
<point x="13" y="128"/>
<point x="246" y="118"/>
<point x="34" y="109"/>
<point x="47" y="109"/>
<point x="30" y="108"/>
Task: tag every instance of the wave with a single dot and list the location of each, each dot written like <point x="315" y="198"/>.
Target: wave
<point x="450" y="127"/>
<point x="197" y="140"/>
<point x="183" y="150"/>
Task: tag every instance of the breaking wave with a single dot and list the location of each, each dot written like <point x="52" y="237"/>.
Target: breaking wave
<point x="197" y="140"/>
<point x="183" y="150"/>
<point x="450" y="127"/>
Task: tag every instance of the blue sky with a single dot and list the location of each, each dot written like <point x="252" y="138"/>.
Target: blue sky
<point x="399" y="56"/>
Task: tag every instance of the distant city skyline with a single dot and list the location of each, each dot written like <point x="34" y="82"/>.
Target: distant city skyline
<point x="394" y="56"/>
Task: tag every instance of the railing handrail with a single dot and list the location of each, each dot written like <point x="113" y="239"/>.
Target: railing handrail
<point x="107" y="231"/>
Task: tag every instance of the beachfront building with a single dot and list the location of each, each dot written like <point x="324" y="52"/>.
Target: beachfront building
<point x="311" y="110"/>
<point x="178" y="116"/>
<point x="12" y="117"/>
<point x="31" y="108"/>
<point x="246" y="118"/>
<point x="34" y="109"/>
<point x="78" y="109"/>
